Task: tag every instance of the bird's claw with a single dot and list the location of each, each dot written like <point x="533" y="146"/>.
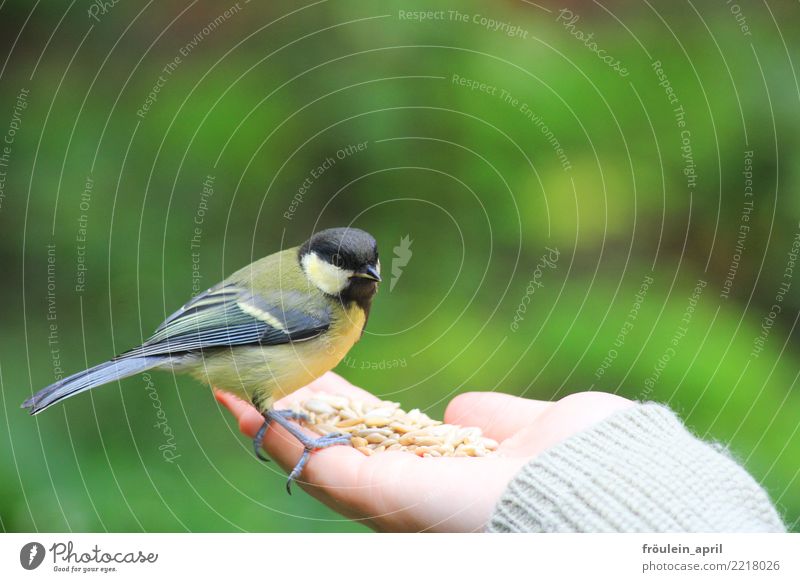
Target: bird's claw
<point x="259" y="437"/>
<point x="284" y="418"/>
<point x="311" y="445"/>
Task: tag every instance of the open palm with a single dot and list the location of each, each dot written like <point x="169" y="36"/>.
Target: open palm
<point x="398" y="491"/>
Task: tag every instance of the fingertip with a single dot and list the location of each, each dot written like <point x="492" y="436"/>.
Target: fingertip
<point x="458" y="407"/>
<point x="233" y="403"/>
<point x="482" y="407"/>
<point x="221" y="396"/>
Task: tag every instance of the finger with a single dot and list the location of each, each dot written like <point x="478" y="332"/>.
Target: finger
<point x="565" y="418"/>
<point x="250" y="420"/>
<point x="498" y="415"/>
<point x="334" y="469"/>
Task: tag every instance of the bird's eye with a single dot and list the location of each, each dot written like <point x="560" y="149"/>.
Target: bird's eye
<point x="337" y="260"/>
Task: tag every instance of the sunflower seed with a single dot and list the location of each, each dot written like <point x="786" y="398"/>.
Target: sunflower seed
<point x="318" y="406"/>
<point x="380" y="426"/>
<point x="368" y="431"/>
<point x="358" y="442"/>
<point x="401" y="428"/>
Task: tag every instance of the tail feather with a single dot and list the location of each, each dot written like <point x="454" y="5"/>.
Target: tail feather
<point x="88" y="379"/>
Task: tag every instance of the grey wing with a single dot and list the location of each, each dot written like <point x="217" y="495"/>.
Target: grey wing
<point x="228" y="315"/>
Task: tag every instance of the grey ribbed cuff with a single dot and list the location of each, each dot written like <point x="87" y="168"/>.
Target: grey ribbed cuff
<point x="639" y="470"/>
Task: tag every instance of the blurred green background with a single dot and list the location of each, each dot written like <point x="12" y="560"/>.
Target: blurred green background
<point x="667" y="268"/>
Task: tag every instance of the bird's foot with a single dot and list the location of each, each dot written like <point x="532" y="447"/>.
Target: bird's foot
<point x="259" y="438"/>
<point x="323" y="442"/>
<point x="309" y="444"/>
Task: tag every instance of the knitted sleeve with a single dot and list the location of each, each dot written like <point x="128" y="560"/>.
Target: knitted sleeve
<point x="640" y="470"/>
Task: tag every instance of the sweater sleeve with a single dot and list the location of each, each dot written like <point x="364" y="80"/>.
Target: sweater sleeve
<point x="640" y="470"/>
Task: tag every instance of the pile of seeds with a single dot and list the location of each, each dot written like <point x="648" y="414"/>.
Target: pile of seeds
<point x="384" y="426"/>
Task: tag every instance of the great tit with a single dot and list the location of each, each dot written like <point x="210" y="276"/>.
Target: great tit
<point x="270" y="328"/>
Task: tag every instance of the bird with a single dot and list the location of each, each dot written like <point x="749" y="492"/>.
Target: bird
<point x="269" y="329"/>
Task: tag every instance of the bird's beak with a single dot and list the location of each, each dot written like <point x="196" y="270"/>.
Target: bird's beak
<point x="368" y="272"/>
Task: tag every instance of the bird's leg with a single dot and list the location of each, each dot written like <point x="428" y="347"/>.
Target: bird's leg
<point x="309" y="444"/>
<point x="259" y="438"/>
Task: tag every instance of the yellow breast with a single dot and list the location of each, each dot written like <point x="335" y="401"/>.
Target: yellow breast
<point x="311" y="359"/>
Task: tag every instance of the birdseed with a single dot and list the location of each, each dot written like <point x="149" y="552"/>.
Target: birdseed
<point x="384" y="426"/>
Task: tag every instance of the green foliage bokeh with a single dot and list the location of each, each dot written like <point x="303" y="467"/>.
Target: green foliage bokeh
<point x="276" y="89"/>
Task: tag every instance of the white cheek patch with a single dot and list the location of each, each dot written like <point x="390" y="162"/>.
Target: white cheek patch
<point x="327" y="278"/>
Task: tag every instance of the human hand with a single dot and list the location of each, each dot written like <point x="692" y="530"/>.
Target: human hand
<point x="399" y="491"/>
